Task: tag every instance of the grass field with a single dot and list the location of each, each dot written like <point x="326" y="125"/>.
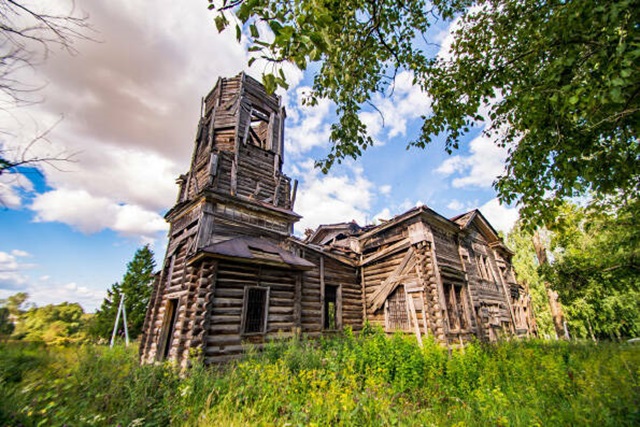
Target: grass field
<point x="365" y="380"/>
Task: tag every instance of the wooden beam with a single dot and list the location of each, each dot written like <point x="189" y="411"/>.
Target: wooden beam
<point x="397" y="247"/>
<point x="322" y="292"/>
<point x="414" y="317"/>
<point x="293" y="193"/>
<point x="380" y="295"/>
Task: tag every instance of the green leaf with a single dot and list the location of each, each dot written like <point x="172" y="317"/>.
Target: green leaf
<point x="221" y="22"/>
<point x="254" y="31"/>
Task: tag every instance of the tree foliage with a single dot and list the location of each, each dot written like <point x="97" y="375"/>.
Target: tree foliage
<point x="557" y="81"/>
<point x="136" y="285"/>
<point x="525" y="263"/>
<point x="10" y="310"/>
<point x="6" y="325"/>
<point x="596" y="270"/>
<point x="52" y="324"/>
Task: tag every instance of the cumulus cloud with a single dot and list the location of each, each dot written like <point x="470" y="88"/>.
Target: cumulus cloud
<point x="88" y="298"/>
<point x="462" y="206"/>
<point x="44" y="291"/>
<point x="406" y="103"/>
<point x="12" y="186"/>
<point x="385" y="189"/>
<point x="130" y="102"/>
<point x="307" y="126"/>
<point x="480" y="168"/>
<point x="12" y="276"/>
<point x="501" y="217"/>
<point x="455" y="205"/>
<point x="340" y="196"/>
<point x="131" y="176"/>
<point x="91" y="214"/>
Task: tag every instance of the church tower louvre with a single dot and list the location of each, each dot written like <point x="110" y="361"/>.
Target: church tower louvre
<point x="234" y="203"/>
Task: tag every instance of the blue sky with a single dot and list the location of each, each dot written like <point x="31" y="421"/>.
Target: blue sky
<point x="125" y="109"/>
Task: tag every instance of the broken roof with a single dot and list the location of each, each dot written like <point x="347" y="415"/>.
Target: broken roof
<point x="256" y="250"/>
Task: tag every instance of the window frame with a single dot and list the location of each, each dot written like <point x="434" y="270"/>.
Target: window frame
<point x="245" y="310"/>
<point x="337" y="308"/>
<point x="168" y="328"/>
<point x="387" y="311"/>
<point x="455" y="297"/>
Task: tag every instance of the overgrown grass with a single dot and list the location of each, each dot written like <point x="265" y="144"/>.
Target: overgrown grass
<point x="365" y="380"/>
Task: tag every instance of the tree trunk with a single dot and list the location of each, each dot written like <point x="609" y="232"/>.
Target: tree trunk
<point x="554" y="302"/>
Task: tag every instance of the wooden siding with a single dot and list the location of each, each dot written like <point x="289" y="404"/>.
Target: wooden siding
<point x="225" y="339"/>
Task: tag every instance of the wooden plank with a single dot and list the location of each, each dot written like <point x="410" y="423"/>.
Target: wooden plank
<point x="397" y="247"/>
<point x="383" y="291"/>
<point x="414" y="318"/>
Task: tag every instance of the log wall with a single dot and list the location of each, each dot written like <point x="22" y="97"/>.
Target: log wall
<point x="224" y="339"/>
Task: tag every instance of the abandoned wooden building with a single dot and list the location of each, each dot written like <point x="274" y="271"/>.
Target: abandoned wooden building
<point x="234" y="273"/>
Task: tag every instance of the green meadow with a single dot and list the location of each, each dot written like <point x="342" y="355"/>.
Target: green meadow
<point x="364" y="380"/>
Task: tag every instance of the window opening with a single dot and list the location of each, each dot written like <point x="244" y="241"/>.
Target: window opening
<point x="331" y="307"/>
<point x="481" y="267"/>
<point x="490" y="275"/>
<point x="455" y="297"/>
<point x="255" y="319"/>
<point x="397" y="314"/>
<point x="259" y="129"/>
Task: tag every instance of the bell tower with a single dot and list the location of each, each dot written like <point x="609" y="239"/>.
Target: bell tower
<point x="235" y="185"/>
<point x="233" y="218"/>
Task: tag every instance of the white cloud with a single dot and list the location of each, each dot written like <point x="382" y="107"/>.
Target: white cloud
<point x="307" y="126"/>
<point x="340" y="196"/>
<point x="459" y="207"/>
<point x="384" y="214"/>
<point x="91" y="214"/>
<point x="446" y="38"/>
<point x="501" y="217"/>
<point x="480" y="168"/>
<point x="455" y="205"/>
<point x="132" y="176"/>
<point x="11" y="275"/>
<point x="44" y="292"/>
<point x="9" y="196"/>
<point x="11" y="187"/>
<point x="407" y="102"/>
<point x="385" y="189"/>
<point x="130" y="104"/>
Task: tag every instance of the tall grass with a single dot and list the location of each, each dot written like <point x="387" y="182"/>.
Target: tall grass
<point x="350" y="380"/>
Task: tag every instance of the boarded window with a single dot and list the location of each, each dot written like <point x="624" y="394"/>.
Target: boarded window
<point x="331" y="307"/>
<point x="397" y="315"/>
<point x="255" y="310"/>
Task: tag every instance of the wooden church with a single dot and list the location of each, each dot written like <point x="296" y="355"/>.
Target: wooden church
<point x="234" y="274"/>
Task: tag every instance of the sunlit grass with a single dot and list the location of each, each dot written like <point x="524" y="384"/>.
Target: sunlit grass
<point x="350" y="380"/>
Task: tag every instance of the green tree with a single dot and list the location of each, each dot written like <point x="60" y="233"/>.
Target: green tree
<point x="10" y="311"/>
<point x="558" y="81"/>
<point x="136" y="285"/>
<point x="525" y="264"/>
<point x="6" y="325"/>
<point x="53" y="324"/>
<point x="596" y="269"/>
<point x="16" y="303"/>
